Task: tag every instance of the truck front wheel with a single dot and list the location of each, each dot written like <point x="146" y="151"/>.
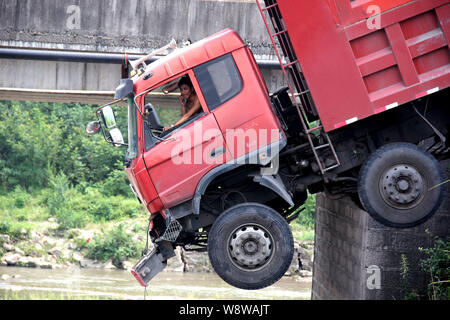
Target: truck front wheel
<point x="399" y="185"/>
<point x="250" y="246"/>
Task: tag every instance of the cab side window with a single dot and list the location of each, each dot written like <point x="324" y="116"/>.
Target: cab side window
<point x="219" y="80"/>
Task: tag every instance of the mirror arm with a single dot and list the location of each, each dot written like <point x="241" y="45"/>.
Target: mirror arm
<point x="101" y="127"/>
<point x="137" y="107"/>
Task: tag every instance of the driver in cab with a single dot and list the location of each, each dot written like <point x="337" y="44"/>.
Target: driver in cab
<point x="190" y="104"/>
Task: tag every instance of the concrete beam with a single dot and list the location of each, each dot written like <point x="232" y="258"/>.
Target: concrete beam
<point x="59" y="81"/>
<point x="133" y="26"/>
<point x="111" y="26"/>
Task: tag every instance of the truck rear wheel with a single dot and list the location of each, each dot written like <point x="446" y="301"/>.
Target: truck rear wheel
<point x="398" y="185"/>
<point x="250" y="246"/>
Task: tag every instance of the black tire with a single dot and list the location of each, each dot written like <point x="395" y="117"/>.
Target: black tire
<point x="246" y="230"/>
<point x="397" y="185"/>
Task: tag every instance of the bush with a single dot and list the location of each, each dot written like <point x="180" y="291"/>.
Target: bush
<point x="57" y="199"/>
<point x="15" y="229"/>
<point x="68" y="219"/>
<point x="408" y="292"/>
<point x="37" y="136"/>
<point x="307" y="216"/>
<point x="20" y="197"/>
<point x="106" y="207"/>
<point x="60" y="203"/>
<point x="116" y="244"/>
<point x="129" y="207"/>
<point x="75" y="207"/>
<point x="437" y="265"/>
<point x="116" y="184"/>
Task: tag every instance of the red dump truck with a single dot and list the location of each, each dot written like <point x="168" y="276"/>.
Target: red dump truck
<point x="365" y="113"/>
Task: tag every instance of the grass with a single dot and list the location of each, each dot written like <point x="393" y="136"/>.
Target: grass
<point x="302" y="233"/>
<point x="303" y="227"/>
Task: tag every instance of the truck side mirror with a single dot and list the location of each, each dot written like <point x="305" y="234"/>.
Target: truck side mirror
<point x="93" y="127"/>
<point x="109" y="119"/>
<point x="116" y="137"/>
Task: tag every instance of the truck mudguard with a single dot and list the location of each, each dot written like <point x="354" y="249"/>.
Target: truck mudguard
<point x="233" y="164"/>
<point x="275" y="184"/>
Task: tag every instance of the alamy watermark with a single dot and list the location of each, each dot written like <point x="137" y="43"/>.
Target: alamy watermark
<point x="374" y="277"/>
<point x="374" y="21"/>
<point x="236" y="146"/>
<point x="73" y="21"/>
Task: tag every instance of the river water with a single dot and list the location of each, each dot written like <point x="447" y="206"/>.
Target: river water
<point x="77" y="283"/>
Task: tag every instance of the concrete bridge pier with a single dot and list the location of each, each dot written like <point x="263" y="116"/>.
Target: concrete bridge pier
<point x="357" y="258"/>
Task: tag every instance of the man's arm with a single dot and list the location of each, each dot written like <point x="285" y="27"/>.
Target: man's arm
<point x="197" y="106"/>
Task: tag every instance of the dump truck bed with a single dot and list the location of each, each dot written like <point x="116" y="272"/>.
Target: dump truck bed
<point x="363" y="57"/>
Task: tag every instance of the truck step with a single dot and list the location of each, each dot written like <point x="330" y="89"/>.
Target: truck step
<point x="279" y="33"/>
<point x="270" y="7"/>
<point x="315" y="129"/>
<point x="331" y="167"/>
<point x="290" y="64"/>
<point x="322" y="146"/>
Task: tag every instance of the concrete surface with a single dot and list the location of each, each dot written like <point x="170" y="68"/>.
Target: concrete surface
<point x="357" y="258"/>
<point x="112" y="26"/>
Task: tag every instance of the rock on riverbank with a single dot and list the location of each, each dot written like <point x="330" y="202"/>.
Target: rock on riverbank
<point x="191" y="261"/>
<point x="48" y="252"/>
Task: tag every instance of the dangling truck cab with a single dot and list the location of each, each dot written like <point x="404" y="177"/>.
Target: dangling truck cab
<point x="365" y="113"/>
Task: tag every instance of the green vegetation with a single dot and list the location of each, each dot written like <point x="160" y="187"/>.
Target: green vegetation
<point x="43" y="140"/>
<point x="50" y="168"/>
<point x="116" y="244"/>
<point x="407" y="291"/>
<point x="303" y="227"/>
<point x="437" y="266"/>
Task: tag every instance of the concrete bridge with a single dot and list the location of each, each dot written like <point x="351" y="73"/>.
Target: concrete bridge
<point x="49" y="50"/>
<point x="355" y="257"/>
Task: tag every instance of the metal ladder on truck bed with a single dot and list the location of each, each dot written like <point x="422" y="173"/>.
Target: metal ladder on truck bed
<point x="296" y="83"/>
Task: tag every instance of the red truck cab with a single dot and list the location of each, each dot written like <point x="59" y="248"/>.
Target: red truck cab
<point x="172" y="167"/>
<point x="165" y="171"/>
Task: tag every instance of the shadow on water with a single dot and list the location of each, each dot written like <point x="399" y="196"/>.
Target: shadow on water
<point x="76" y="283"/>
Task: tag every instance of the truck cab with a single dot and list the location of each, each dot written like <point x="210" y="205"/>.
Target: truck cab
<point x="172" y="169"/>
<point x="222" y="71"/>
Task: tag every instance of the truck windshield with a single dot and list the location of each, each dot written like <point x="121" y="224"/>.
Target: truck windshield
<point x="132" y="151"/>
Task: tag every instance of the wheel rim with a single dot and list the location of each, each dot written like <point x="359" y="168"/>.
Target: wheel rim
<point x="250" y="247"/>
<point x="402" y="186"/>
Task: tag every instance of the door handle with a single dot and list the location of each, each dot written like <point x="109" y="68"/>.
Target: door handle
<point x="175" y="139"/>
<point x="217" y="152"/>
